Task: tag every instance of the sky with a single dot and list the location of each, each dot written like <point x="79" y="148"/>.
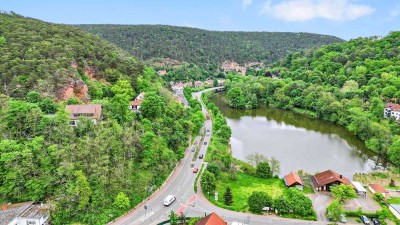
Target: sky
<point x="346" y="19"/>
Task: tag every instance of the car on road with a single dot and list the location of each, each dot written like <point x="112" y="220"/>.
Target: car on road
<point x="375" y="221"/>
<point x="193" y="149"/>
<point x="208" y="135"/>
<point x="195" y="170"/>
<point x="364" y="219"/>
<point x="343" y="218"/>
<point x="205" y="142"/>
<point x="201" y="156"/>
<point x="169" y="200"/>
<point x="208" y="130"/>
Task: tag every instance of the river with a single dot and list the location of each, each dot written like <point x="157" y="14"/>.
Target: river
<point x="297" y="141"/>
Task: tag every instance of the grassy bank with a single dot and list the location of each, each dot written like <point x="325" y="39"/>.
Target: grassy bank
<point x="242" y="186"/>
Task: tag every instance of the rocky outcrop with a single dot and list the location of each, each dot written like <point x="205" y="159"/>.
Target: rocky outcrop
<point x="90" y="72"/>
<point x="76" y="88"/>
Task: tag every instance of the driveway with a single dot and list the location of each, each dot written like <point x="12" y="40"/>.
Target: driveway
<point x="320" y="201"/>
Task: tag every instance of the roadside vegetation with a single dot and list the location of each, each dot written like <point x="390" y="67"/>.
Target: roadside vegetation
<point x="346" y="83"/>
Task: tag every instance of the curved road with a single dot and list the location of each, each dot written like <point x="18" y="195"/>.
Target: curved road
<point x="180" y="184"/>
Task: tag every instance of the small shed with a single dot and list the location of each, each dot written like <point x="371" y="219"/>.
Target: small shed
<point x="377" y="188"/>
<point x="395" y="209"/>
<point x="293" y="180"/>
<point x="359" y="188"/>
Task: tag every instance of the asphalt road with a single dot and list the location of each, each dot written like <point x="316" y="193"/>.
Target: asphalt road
<point x="180" y="184"/>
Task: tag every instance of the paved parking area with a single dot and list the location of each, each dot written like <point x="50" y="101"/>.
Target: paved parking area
<point x="368" y="204"/>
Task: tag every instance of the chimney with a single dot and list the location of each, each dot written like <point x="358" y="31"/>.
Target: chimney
<point x="341" y="176"/>
<point x="3" y="207"/>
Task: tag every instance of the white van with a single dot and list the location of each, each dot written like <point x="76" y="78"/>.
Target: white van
<point x="169" y="200"/>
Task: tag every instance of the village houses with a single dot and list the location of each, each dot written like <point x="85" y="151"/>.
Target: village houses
<point x="293" y="180"/>
<point x="76" y="112"/>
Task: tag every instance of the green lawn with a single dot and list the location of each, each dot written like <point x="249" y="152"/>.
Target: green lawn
<point x="242" y="188"/>
<point x="394" y="200"/>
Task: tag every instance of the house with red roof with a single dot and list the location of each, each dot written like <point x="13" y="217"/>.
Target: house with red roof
<point x="76" y="112"/>
<point x="377" y="188"/>
<point x="323" y="181"/>
<point x="293" y="180"/>
<point x="391" y="110"/>
<point x="211" y="219"/>
<point x="137" y="103"/>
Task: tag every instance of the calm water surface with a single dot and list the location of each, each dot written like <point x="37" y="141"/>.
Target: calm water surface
<point x="297" y="141"/>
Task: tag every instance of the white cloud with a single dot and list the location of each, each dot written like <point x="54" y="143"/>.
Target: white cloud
<point x="306" y="10"/>
<point x="246" y="3"/>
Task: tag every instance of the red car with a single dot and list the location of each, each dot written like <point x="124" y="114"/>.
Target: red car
<point x="195" y="170"/>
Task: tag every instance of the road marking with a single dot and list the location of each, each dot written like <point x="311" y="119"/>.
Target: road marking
<point x="182" y="208"/>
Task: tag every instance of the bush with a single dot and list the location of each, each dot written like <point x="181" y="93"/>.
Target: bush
<point x="264" y="170"/>
<point x="258" y="200"/>
<point x="248" y="169"/>
<point x="214" y="169"/>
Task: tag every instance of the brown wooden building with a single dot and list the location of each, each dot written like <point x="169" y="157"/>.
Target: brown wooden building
<point x="323" y="181"/>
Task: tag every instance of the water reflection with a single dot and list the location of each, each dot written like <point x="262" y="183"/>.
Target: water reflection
<point x="297" y="141"/>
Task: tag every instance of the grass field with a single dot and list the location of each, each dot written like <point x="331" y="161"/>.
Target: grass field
<point x="242" y="187"/>
<point x="394" y="200"/>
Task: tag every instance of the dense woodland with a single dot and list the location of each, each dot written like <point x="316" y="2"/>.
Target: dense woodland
<point x="346" y="83"/>
<point x="91" y="173"/>
<point x="206" y="49"/>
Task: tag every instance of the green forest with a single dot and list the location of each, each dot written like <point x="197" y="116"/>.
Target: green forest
<point x="38" y="56"/>
<point x="91" y="173"/>
<point x="206" y="49"/>
<point x="346" y="83"/>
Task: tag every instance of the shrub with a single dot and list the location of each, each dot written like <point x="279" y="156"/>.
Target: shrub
<point x="258" y="200"/>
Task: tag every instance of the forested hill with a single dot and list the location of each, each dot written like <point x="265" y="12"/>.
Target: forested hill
<point x="49" y="57"/>
<point x="204" y="47"/>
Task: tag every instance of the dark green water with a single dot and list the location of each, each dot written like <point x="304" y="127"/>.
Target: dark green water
<point x="297" y="141"/>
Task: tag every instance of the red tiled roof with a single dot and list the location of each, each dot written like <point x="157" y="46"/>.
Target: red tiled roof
<point x="378" y="188"/>
<point x="392" y="106"/>
<point x="292" y="179"/>
<point x="211" y="219"/>
<point x="136" y="102"/>
<point x="328" y="177"/>
<point x="75" y="110"/>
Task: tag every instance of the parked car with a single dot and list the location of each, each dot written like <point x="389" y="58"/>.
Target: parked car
<point x="342" y="218"/>
<point x="364" y="219"/>
<point x="375" y="221"/>
<point x="169" y="200"/>
<point x="208" y="135"/>
<point x="193" y="149"/>
<point x="208" y="130"/>
<point x="195" y="170"/>
<point x="201" y="156"/>
<point x="205" y="142"/>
